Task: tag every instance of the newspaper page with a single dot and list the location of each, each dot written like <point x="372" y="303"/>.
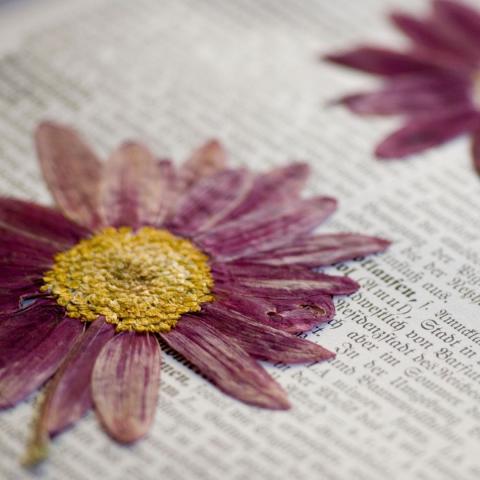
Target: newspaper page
<point x="401" y="399"/>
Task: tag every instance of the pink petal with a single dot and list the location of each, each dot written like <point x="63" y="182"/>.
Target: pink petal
<point x="14" y="242"/>
<point x="205" y="161"/>
<point x="32" y="368"/>
<point x="221" y="359"/>
<point x="268" y="280"/>
<point x="22" y="330"/>
<point x="476" y="150"/>
<point x="465" y="19"/>
<point x="125" y="384"/>
<point x="421" y="134"/>
<point x="261" y="341"/>
<point x="290" y="314"/>
<point x="273" y="188"/>
<point x="381" y="61"/>
<point x="133" y="190"/>
<point x="430" y="37"/>
<point x="266" y="229"/>
<point x="69" y="393"/>
<point x="72" y="172"/>
<point x="39" y="221"/>
<point x="211" y="199"/>
<point x="413" y="95"/>
<point x="322" y="250"/>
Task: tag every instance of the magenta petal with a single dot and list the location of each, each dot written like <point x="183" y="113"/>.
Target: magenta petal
<point x="221" y="359"/>
<point x="205" y="161"/>
<point x="464" y="19"/>
<point x="39" y="221"/>
<point x="29" y="371"/>
<point x="13" y="242"/>
<point x="266" y="229"/>
<point x="133" y="190"/>
<point x="210" y="200"/>
<point x="420" y="94"/>
<point x="322" y="250"/>
<point x="22" y="330"/>
<point x="273" y="280"/>
<point x="418" y="135"/>
<point x="261" y="341"/>
<point x="380" y="61"/>
<point x="125" y="384"/>
<point x="69" y="393"/>
<point x="72" y="172"/>
<point x="274" y="188"/>
<point x="429" y="36"/>
<point x="289" y="313"/>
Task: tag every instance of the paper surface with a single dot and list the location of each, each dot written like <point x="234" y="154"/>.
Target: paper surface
<point x="401" y="400"/>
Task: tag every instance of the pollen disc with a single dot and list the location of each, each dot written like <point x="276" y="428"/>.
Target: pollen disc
<point x="142" y="281"/>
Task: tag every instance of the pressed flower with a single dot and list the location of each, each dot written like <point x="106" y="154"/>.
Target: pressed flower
<point x="433" y="83"/>
<point x="216" y="262"/>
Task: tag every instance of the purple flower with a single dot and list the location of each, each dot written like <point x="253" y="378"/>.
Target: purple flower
<point x="214" y="262"/>
<point x="434" y="83"/>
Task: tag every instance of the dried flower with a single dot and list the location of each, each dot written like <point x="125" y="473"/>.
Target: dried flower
<point x="215" y="261"/>
<point x="434" y="83"/>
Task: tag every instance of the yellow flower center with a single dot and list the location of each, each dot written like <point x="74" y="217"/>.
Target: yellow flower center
<point x="142" y="281"/>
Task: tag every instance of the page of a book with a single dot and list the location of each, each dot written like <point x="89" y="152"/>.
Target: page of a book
<point x="401" y="398"/>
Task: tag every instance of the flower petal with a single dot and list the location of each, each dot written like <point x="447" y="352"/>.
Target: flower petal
<point x="210" y="200"/>
<point x="69" y="394"/>
<point x="133" y="190"/>
<point x="125" y="384"/>
<point x="275" y="187"/>
<point x="413" y="95"/>
<point x="221" y="359"/>
<point x="421" y="134"/>
<point x="39" y="221"/>
<point x="22" y="330"/>
<point x="464" y="19"/>
<point x="71" y="170"/>
<point x="476" y="150"/>
<point x="32" y="368"/>
<point x="205" y="161"/>
<point x="261" y="341"/>
<point x="13" y="242"/>
<point x="290" y="314"/>
<point x="322" y="250"/>
<point x="266" y="229"/>
<point x="429" y="37"/>
<point x="279" y="281"/>
<point x="381" y="61"/>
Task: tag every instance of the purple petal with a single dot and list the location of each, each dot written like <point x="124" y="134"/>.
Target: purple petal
<point x="29" y="369"/>
<point x="381" y="61"/>
<point x="125" y="384"/>
<point x="266" y="279"/>
<point x="290" y="314"/>
<point x="476" y="150"/>
<point x="273" y="188"/>
<point x="39" y="221"/>
<point x="23" y="330"/>
<point x="14" y="242"/>
<point x="72" y="172"/>
<point x="133" y="190"/>
<point x="211" y="199"/>
<point x="266" y="229"/>
<point x="261" y="341"/>
<point x="221" y="359"/>
<point x="465" y="20"/>
<point x="421" y="134"/>
<point x="322" y="250"/>
<point x="413" y="95"/>
<point x="205" y="161"/>
<point x="69" y="394"/>
<point x="429" y="37"/>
